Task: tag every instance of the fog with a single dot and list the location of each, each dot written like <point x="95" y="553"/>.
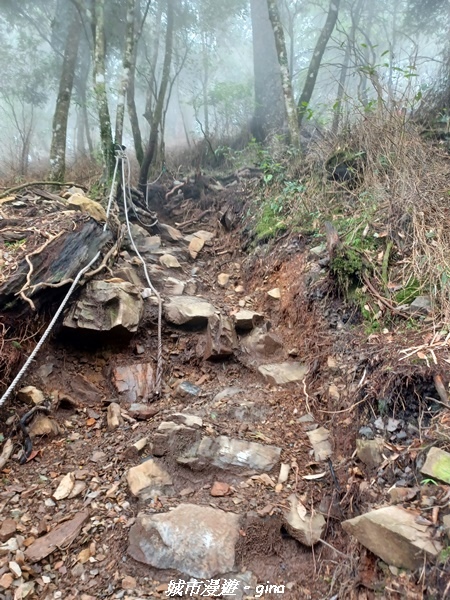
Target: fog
<point x="190" y="74"/>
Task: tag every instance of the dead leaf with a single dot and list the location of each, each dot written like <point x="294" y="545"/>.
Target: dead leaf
<point x="315" y="476"/>
<point x="301" y="510"/>
<point x="90" y="422"/>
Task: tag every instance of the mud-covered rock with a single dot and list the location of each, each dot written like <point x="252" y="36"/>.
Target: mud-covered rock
<point x="135" y="382"/>
<point x="221" y="339"/>
<point x="283" y="373"/>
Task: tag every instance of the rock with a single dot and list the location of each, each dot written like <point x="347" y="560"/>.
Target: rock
<point x="282" y="373"/>
<point x="127" y="273"/>
<point x="134" y="382"/>
<point x="148" y="479"/>
<point x="195" y="246"/>
<point x="223" y="279"/>
<point x="228" y="392"/>
<point x="43" y="425"/>
<point x="284" y="473"/>
<point x="187" y="420"/>
<point x="8" y="528"/>
<point x="145" y="243"/>
<point x="393" y="534"/>
<point x="173" y="287"/>
<point x="31" y="395"/>
<point x="261" y="343"/>
<point x="246" y="320"/>
<point x="6" y="581"/>
<point x="421" y="305"/>
<point x="392" y="424"/>
<point x="397" y="495"/>
<point x="129" y="583"/>
<point x="319" y="250"/>
<point x="170" y="233"/>
<point x="82" y="203"/>
<point x="15" y="569"/>
<point x="197" y="540"/>
<point x="437" y="465"/>
<point x="206" y="236"/>
<point x="446" y="525"/>
<point x="65" y="487"/>
<point x="62" y="536"/>
<point x="275" y="293"/>
<point x="169" y="261"/>
<point x="186" y="389"/>
<point x="369" y="452"/>
<point x="305" y="527"/>
<point x="367" y="432"/>
<point x="219" y="489"/>
<point x="142" y="411"/>
<point x="113" y="416"/>
<point x="169" y="427"/>
<point x="225" y="453"/>
<point x="115" y="308"/>
<point x="192" y="310"/>
<point x="320" y="440"/>
<point x="221" y="339"/>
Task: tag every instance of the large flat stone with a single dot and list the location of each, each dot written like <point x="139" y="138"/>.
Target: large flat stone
<point x="180" y="310"/>
<point x="197" y="540"/>
<point x="393" y="534"/>
<point x="226" y="453"/>
<point x="282" y="373"/>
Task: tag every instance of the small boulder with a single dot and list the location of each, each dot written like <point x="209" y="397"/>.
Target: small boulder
<point x="134" y="382"/>
<point x="393" y="534"/>
<point x="113" y="307"/>
<point x="31" y="395"/>
<point x="186" y="389"/>
<point x="223" y="279"/>
<point x="437" y="465"/>
<point x="181" y="310"/>
<point x="221" y="339"/>
<point x="43" y="425"/>
<point x="369" y="452"/>
<point x="262" y="343"/>
<point x="305" y="527"/>
<point x="246" y="320"/>
<point x="169" y="261"/>
<point x="283" y="373"/>
<point x="173" y="287"/>
<point x="82" y="203"/>
<point x="320" y="441"/>
<point x="148" y="479"/>
<point x="113" y="416"/>
<point x="197" y="540"/>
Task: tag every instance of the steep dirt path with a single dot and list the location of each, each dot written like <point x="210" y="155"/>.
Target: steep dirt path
<point x="224" y="436"/>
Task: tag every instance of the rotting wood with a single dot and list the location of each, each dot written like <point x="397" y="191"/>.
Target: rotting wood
<point x="34" y="183"/>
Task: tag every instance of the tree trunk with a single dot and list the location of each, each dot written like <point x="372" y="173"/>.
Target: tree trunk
<point x="61" y="115"/>
<point x="316" y="59"/>
<point x="344" y="70"/>
<point x="155" y="119"/>
<point x="101" y="96"/>
<point x="269" y="115"/>
<point x="126" y="70"/>
<point x="289" y="102"/>
<point x="132" y="112"/>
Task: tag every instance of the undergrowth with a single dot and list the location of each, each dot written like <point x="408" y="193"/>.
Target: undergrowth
<point x="390" y="209"/>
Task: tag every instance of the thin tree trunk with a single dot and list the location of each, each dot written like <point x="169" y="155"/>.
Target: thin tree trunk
<point x="316" y="59"/>
<point x="61" y="115"/>
<point x="99" y="73"/>
<point x="132" y="112"/>
<point x="155" y="121"/>
<point x="205" y="84"/>
<point x="345" y="65"/>
<point x="126" y="70"/>
<point x="289" y="102"/>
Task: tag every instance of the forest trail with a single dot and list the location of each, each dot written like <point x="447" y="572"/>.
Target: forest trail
<point x="244" y="468"/>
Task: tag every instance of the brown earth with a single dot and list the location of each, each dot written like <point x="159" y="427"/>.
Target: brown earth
<point x="347" y="372"/>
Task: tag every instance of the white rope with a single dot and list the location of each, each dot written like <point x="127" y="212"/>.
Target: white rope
<point x="126" y="183"/>
<point x="52" y="323"/>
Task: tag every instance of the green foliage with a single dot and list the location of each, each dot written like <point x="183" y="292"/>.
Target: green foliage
<point x="409" y="292"/>
<point x="270" y="221"/>
<point x="13" y="246"/>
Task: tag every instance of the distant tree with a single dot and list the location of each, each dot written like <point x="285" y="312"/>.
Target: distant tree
<point x="316" y="59"/>
<point x="289" y="102"/>
<point x="270" y="112"/>
<point x="61" y="114"/>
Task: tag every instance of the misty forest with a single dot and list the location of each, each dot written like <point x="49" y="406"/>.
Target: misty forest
<point x="225" y="299"/>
